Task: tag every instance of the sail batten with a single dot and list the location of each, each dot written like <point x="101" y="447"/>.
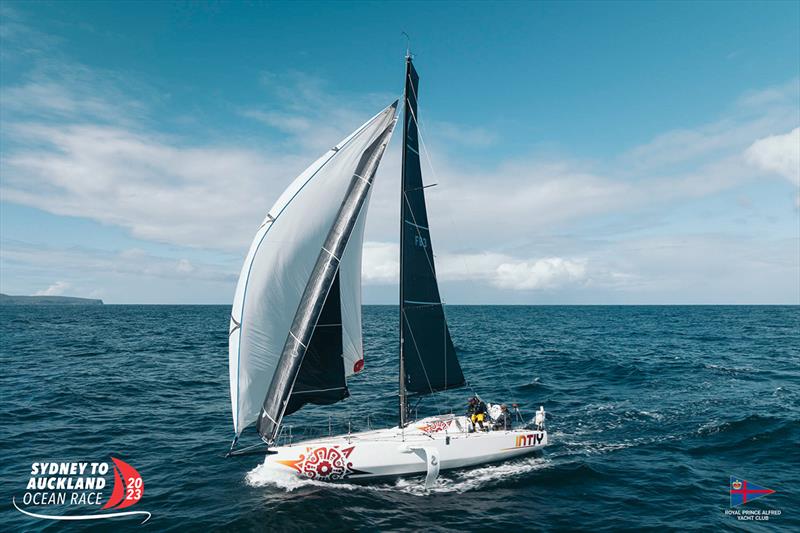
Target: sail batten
<point x="428" y="361"/>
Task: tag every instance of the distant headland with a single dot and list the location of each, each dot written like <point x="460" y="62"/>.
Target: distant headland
<point x="6" y="299"/>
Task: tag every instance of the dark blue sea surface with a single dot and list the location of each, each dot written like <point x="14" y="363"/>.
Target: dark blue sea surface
<point x="651" y="409"/>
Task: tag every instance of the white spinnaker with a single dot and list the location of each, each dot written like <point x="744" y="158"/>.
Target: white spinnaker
<point x="350" y="291"/>
<point x="278" y="266"/>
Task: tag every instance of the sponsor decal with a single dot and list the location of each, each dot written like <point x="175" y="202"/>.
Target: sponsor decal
<point x="434" y="427"/>
<point x="80" y="491"/>
<point x="325" y="463"/>
<point x="528" y="440"/>
<point x="743" y="492"/>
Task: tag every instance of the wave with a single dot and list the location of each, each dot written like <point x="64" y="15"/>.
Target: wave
<point x="748" y="435"/>
<point x="535" y="384"/>
<point x="733" y="370"/>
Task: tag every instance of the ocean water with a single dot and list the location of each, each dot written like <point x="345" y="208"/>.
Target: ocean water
<point x="650" y="410"/>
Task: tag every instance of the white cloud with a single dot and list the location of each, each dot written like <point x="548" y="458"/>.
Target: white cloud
<point x="199" y="196"/>
<point x="163" y="189"/>
<point x="381" y="266"/>
<point x="548" y="273"/>
<point x="282" y="121"/>
<point x="777" y="97"/>
<point x="467" y="135"/>
<point x="310" y="113"/>
<point x="123" y="276"/>
<point x="65" y="152"/>
<point x="779" y="154"/>
<point x="185" y="266"/>
<point x="380" y="263"/>
<point x="56" y="289"/>
<point x="89" y="262"/>
<point x="74" y="144"/>
<point x="690" y="150"/>
<point x="703" y="269"/>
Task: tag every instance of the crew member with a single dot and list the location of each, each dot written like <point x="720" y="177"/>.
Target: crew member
<point x="477" y="412"/>
<point x="503" y="420"/>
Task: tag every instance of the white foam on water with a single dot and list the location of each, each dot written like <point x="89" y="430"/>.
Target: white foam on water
<point x="475" y="478"/>
<point x="264" y="476"/>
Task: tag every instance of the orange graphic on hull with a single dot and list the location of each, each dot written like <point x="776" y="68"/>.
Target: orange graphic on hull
<point x="326" y="463"/>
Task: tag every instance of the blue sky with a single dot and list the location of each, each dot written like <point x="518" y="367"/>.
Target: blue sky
<point x="585" y="152"/>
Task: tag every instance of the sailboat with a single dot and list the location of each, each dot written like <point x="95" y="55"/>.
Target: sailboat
<point x="295" y="328"/>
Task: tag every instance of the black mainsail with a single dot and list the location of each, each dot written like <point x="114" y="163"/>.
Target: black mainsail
<point x="428" y="361"/>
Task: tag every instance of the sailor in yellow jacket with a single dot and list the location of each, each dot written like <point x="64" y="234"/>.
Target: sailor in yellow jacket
<point x="476" y="411"/>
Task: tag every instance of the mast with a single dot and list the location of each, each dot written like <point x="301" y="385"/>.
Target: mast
<point x="402" y="372"/>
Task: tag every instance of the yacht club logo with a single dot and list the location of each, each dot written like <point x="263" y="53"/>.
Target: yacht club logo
<point x="77" y="491"/>
<point x="743" y="491"/>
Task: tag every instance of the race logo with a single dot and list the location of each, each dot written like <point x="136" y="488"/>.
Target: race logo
<point x="743" y="491"/>
<point x="80" y="491"/>
<point x="326" y="463"/>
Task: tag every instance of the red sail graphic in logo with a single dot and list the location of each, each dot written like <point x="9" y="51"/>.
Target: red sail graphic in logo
<point x="128" y="489"/>
<point x="118" y="493"/>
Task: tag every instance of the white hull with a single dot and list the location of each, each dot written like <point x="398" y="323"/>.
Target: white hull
<point x="423" y="447"/>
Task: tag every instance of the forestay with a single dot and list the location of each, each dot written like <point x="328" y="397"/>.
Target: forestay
<point x="277" y="270"/>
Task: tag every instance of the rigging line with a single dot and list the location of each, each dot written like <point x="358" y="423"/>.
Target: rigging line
<point x="503" y="375"/>
<point x="428" y="257"/>
<point x="422" y="364"/>
<point x="421" y="138"/>
<point x="436" y="177"/>
<point x="240" y="450"/>
<point x="444" y="349"/>
<point x="317" y="390"/>
<point x="420" y="227"/>
<point x="405" y="198"/>
<point x="422" y="304"/>
<point x="416" y="225"/>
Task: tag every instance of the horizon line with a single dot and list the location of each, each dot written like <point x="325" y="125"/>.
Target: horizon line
<point x="485" y="304"/>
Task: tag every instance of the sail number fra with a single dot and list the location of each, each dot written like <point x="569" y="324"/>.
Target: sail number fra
<point x="420" y="241"/>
